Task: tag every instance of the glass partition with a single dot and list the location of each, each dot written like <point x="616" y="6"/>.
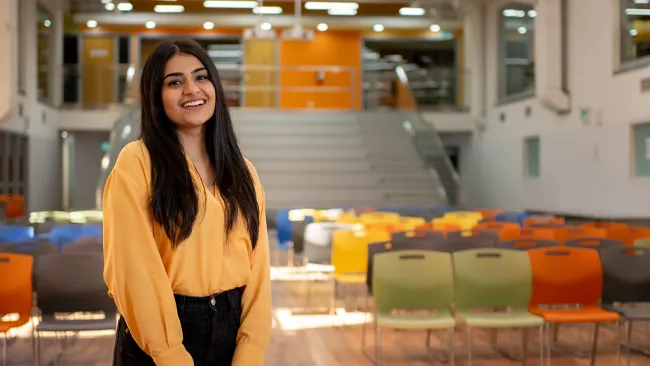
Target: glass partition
<point x="516" y="50"/>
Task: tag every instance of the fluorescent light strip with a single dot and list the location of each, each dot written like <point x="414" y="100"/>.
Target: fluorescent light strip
<point x="347" y="12"/>
<point x="169" y="8"/>
<point x="642" y="1"/>
<point x="315" y="5"/>
<point x="513" y="13"/>
<point x="267" y="10"/>
<point x="227" y="4"/>
<point x="411" y="11"/>
<point x="124" y="6"/>
<point x="637" y="11"/>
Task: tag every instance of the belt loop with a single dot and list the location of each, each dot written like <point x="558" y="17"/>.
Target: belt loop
<point x="180" y="304"/>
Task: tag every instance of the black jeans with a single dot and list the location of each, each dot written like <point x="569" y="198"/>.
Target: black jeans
<point x="210" y="325"/>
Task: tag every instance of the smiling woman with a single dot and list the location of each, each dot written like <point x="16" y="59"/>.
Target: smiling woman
<point x="174" y="201"/>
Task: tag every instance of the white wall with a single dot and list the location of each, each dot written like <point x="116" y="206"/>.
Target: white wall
<point x="585" y="167"/>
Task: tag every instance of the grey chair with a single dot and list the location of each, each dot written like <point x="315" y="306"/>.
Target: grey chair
<point x="526" y="244"/>
<point x="595" y="243"/>
<point x="626" y="279"/>
<point x="71" y="283"/>
<point x="87" y="244"/>
<point x="318" y="240"/>
<point x="426" y="236"/>
<point x="473" y="239"/>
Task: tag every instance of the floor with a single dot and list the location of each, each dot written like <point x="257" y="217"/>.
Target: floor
<point x="316" y="338"/>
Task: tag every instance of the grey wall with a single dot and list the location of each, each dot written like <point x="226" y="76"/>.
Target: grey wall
<point x="86" y="158"/>
<point x="44" y="174"/>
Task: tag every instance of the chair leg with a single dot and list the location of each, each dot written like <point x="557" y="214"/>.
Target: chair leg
<point x="4" y="349"/>
<point x="541" y="346"/>
<point x="618" y="342"/>
<point x="524" y="346"/>
<point x="469" y="345"/>
<point x="628" y="340"/>
<point x="549" y="344"/>
<point x="594" y="347"/>
<point x="378" y="345"/>
<point x="452" y="346"/>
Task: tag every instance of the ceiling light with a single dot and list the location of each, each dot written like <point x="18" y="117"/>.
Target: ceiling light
<point x="267" y="10"/>
<point x="513" y="13"/>
<point x="169" y="8"/>
<point x="434" y="28"/>
<point x="91" y="23"/>
<point x="316" y="5"/>
<point x="532" y="13"/>
<point x="109" y="6"/>
<point x="150" y="24"/>
<point x="637" y="11"/>
<point x="124" y="7"/>
<point x="342" y="11"/>
<point x="633" y="32"/>
<point x="641" y="1"/>
<point x="266" y="26"/>
<point x="106" y="1"/>
<point x="322" y="27"/>
<point x="47" y="23"/>
<point x="378" y="28"/>
<point x="411" y="11"/>
<point x="522" y="30"/>
<point x="208" y="25"/>
<point x="227" y="4"/>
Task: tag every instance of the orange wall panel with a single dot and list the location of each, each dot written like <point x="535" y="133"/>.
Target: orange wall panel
<point x="337" y="89"/>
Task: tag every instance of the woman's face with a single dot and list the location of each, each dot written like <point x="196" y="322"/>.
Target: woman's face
<point x="188" y="95"/>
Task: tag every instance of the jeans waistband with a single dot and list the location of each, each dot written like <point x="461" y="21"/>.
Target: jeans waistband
<point x="232" y="297"/>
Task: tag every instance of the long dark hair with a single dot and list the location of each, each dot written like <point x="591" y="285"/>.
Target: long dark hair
<point x="174" y="194"/>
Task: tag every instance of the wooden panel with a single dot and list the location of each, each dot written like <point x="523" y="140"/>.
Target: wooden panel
<point x="260" y="53"/>
<point x="99" y="70"/>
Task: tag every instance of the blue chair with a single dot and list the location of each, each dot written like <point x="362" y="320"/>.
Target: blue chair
<point x="283" y="225"/>
<point x="16" y="233"/>
<point x="68" y="234"/>
<point x="512" y="216"/>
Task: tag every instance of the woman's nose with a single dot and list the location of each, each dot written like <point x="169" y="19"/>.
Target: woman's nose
<point x="191" y="88"/>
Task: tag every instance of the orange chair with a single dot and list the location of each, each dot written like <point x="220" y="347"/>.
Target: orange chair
<point x="563" y="278"/>
<point x="489" y="214"/>
<point x="576" y="232"/>
<point x="504" y="229"/>
<point x="529" y="233"/>
<point x="16" y="292"/>
<point x="547" y="221"/>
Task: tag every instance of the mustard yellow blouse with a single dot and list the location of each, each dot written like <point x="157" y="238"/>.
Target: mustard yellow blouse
<point x="143" y="272"/>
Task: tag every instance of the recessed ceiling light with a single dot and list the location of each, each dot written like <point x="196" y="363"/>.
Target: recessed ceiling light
<point x="378" y="27"/>
<point x="322" y="27"/>
<point x="169" y="8"/>
<point x="267" y="10"/>
<point x="434" y="28"/>
<point x="266" y="26"/>
<point x="410" y="11"/>
<point x="124" y="6"/>
<point x="47" y="23"/>
<point x="208" y="25"/>
<point x="522" y="30"/>
<point x="150" y="24"/>
<point x="342" y="11"/>
<point x="106" y="1"/>
<point x="317" y="5"/>
<point x="227" y="4"/>
<point x="91" y="23"/>
<point x="109" y="6"/>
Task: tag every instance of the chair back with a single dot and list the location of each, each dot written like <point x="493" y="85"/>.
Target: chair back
<point x="418" y="235"/>
<point x="491" y="278"/>
<point x="72" y="282"/>
<point x="472" y="239"/>
<point x="412" y="280"/>
<point x="594" y="243"/>
<point x="12" y="233"/>
<point x="565" y="275"/>
<point x="391" y="246"/>
<point x="16" y="287"/>
<point x="350" y="249"/>
<point x="626" y="275"/>
<point x="526" y="244"/>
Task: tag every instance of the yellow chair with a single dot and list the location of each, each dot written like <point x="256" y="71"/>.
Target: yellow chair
<point x="347" y="218"/>
<point x="370" y="218"/>
<point x="466" y="220"/>
<point x="411" y="223"/>
<point x="350" y="256"/>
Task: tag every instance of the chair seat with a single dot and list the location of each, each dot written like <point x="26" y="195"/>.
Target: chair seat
<point x="511" y="319"/>
<point x="590" y="314"/>
<point x="629" y="313"/>
<point x="439" y="320"/>
<point x="107" y="323"/>
<point x="351" y="278"/>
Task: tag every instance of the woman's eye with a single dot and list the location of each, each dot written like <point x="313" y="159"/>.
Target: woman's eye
<point x="174" y="83"/>
<point x="202" y="77"/>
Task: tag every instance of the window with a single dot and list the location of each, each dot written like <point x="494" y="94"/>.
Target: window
<point x="635" y="30"/>
<point x="516" y="51"/>
<point x="44" y="49"/>
<point x="641" y="152"/>
<point x="532" y="157"/>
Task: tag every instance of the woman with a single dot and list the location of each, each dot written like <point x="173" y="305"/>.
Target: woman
<point x="185" y="241"/>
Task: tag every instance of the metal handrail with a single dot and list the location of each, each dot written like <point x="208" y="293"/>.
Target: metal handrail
<point x="403" y="77"/>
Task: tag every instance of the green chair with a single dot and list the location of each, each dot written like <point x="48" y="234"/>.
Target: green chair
<point x="495" y="278"/>
<point x="413" y="280"/>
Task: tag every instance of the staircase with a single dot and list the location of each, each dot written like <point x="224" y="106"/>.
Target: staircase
<point x="333" y="159"/>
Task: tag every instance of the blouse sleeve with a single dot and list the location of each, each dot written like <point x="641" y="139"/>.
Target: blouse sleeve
<point x="255" y="329"/>
<point x="134" y="271"/>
